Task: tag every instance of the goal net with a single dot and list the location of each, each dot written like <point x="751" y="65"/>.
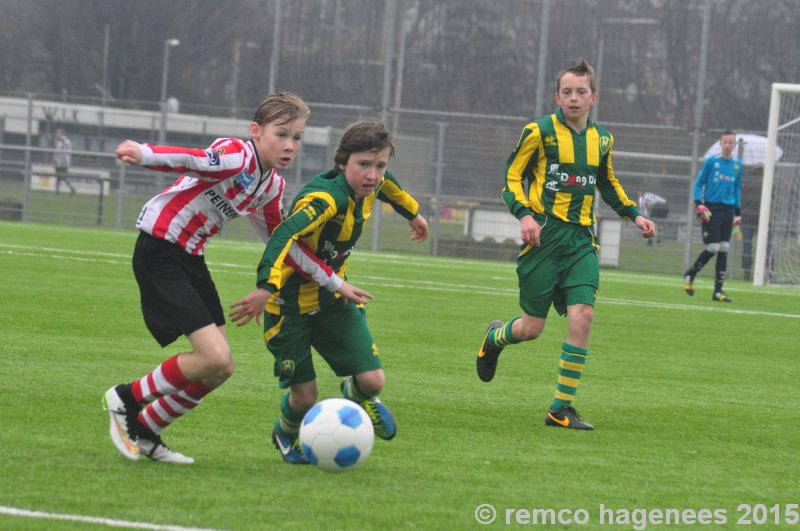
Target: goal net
<point x="778" y="240"/>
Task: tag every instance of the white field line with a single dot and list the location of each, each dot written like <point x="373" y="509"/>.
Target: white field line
<point x="59" y="250"/>
<point x="411" y="284"/>
<point x="486" y="266"/>
<point x="482" y="290"/>
<point x="108" y="522"/>
<point x="450" y="264"/>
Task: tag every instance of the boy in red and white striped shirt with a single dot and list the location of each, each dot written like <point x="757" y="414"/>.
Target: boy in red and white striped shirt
<point x="229" y="179"/>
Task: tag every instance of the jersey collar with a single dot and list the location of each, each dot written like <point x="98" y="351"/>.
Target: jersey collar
<point x="560" y="117"/>
<point x="341" y="178"/>
<point x="262" y="175"/>
<point x="259" y="166"/>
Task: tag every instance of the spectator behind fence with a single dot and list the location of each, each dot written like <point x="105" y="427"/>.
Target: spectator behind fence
<point x="62" y="157"/>
<point x="653" y="206"/>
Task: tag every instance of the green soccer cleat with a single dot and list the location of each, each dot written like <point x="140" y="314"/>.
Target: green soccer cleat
<point x="566" y="417"/>
<point x="486" y="362"/>
<point x="688" y="284"/>
<point x="720" y="296"/>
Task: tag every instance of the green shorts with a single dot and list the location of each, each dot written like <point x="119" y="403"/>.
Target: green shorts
<point x="563" y="271"/>
<point x="338" y="332"/>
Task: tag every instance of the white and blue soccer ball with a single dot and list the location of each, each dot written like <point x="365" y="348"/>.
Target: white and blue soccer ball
<point x="336" y="435"/>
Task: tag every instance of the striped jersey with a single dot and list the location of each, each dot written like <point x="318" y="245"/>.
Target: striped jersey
<point x="562" y="169"/>
<point x="219" y="184"/>
<point x="719" y="182"/>
<point x="327" y="217"/>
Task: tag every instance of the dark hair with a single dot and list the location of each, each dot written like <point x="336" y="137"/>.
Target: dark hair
<point x="583" y="68"/>
<point x="283" y="106"/>
<point x="364" y="135"/>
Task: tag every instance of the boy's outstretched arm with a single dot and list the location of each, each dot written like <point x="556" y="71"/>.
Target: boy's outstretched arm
<point x="249" y="306"/>
<point x="253" y="304"/>
<point x="354" y="293"/>
<point x="128" y="151"/>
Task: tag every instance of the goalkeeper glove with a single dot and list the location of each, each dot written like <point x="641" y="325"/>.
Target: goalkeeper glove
<point x="737" y="227"/>
<point x="703" y="213"/>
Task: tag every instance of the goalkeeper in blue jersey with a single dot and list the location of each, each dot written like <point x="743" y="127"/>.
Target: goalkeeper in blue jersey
<point x="563" y="158"/>
<point x="718" y="200"/>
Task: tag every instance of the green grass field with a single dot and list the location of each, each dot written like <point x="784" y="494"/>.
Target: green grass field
<point x="695" y="405"/>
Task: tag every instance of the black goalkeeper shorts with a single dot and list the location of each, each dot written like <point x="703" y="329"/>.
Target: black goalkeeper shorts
<point x="177" y="293"/>
<point x="719" y="227"/>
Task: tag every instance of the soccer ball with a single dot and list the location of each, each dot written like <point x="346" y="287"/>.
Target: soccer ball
<point x="336" y="435"/>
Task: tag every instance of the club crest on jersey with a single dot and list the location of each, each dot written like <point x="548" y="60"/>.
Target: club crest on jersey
<point x="213" y="156"/>
<point x="287" y="368"/>
<point x="605" y="144"/>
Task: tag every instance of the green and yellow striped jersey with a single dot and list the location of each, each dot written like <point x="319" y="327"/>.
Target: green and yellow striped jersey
<point x="328" y="218"/>
<point x="562" y="168"/>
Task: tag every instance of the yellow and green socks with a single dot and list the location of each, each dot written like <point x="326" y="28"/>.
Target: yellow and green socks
<point x="502" y="336"/>
<point x="570" y="368"/>
<point x="289" y="421"/>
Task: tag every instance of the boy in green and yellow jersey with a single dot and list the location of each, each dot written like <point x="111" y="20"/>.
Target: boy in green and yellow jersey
<point x="328" y="216"/>
<point x="563" y="158"/>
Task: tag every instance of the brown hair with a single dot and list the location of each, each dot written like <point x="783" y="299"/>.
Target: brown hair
<point x="283" y="106"/>
<point x="364" y="135"/>
<point x="583" y="68"/>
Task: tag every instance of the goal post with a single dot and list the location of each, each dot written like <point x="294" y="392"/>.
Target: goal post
<point x="777" y="259"/>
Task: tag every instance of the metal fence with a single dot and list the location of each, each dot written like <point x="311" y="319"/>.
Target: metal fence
<point x="453" y="163"/>
<point x="670" y="74"/>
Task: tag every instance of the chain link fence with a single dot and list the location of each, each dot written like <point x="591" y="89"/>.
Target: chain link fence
<point x="453" y="163"/>
<point x="456" y="81"/>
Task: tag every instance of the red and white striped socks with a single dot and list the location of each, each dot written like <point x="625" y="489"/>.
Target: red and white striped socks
<point x="165" y="379"/>
<point x="167" y="409"/>
<point x="168" y="393"/>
